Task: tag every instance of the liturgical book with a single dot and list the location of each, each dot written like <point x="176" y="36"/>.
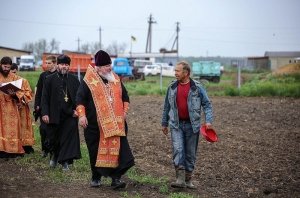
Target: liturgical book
<point x="13" y="85"/>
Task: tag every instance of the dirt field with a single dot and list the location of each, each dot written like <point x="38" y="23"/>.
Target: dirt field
<point x="257" y="154"/>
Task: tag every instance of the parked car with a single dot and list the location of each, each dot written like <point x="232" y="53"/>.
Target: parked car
<point x="151" y="70"/>
<point x="166" y="71"/>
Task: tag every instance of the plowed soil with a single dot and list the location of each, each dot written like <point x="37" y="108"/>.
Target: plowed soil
<point x="257" y="154"/>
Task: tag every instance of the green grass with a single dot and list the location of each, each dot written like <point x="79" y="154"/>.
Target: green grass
<point x="268" y="86"/>
<point x="260" y="84"/>
<point x="31" y="76"/>
<point x="151" y="86"/>
<point x="131" y="173"/>
<point x="80" y="171"/>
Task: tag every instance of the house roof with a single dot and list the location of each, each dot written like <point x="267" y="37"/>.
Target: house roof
<point x="14" y="49"/>
<point x="283" y="54"/>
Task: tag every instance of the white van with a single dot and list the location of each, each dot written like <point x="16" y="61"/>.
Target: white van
<point x="166" y="71"/>
<point x="27" y="63"/>
<point x="138" y="68"/>
<point x="140" y="64"/>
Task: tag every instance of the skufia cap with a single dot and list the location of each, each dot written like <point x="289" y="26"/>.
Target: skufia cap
<point x="102" y="58"/>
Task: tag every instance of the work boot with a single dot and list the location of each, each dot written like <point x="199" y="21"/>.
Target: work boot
<point x="190" y="185"/>
<point x="65" y="166"/>
<point x="180" y="179"/>
<point x="53" y="161"/>
<point x="188" y="180"/>
<point x="117" y="183"/>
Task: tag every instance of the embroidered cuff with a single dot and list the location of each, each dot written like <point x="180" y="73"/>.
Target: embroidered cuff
<point x="126" y="106"/>
<point x="80" y="110"/>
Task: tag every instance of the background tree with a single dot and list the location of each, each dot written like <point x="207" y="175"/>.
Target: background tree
<point x="54" y="46"/>
<point x="85" y="48"/>
<point x="28" y="47"/>
<point x="95" y="47"/>
<point x="41" y="46"/>
<point x="115" y="48"/>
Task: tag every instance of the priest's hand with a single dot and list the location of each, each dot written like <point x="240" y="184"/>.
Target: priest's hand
<point x="11" y="92"/>
<point x="75" y="114"/>
<point x="83" y="122"/>
<point x="45" y="118"/>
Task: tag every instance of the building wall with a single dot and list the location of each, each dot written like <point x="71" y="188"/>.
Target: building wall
<point x="11" y="53"/>
<point x="277" y="62"/>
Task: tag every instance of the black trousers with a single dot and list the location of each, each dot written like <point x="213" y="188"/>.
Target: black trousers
<point x="64" y="140"/>
<point x="43" y="133"/>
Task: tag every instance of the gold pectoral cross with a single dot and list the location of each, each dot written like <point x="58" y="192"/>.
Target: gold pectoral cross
<point x="66" y="98"/>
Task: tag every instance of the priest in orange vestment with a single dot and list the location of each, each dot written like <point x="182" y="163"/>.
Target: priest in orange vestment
<point x="27" y="132"/>
<point x="10" y="136"/>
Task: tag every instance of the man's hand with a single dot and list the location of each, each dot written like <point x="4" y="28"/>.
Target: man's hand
<point x="83" y="122"/>
<point x="208" y="125"/>
<point x="164" y="130"/>
<point x="45" y="118"/>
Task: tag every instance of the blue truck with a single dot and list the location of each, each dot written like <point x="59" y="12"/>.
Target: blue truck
<point x="123" y="68"/>
<point x="207" y="70"/>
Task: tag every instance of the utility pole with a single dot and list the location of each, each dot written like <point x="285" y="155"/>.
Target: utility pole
<point x="149" y="37"/>
<point x="78" y="40"/>
<point x="177" y="39"/>
<point x="100" y="37"/>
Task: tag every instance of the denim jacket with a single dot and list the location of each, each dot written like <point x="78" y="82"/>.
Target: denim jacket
<point x="197" y="97"/>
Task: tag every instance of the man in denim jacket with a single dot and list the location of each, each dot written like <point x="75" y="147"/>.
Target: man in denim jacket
<point x="181" y="112"/>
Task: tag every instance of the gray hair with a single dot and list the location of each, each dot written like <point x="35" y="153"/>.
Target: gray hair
<point x="186" y="66"/>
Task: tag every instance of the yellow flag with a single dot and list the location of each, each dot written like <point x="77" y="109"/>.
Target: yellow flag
<point x="133" y="38"/>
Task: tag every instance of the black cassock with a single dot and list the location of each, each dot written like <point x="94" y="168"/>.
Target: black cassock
<point x="92" y="136"/>
<point x="58" y="102"/>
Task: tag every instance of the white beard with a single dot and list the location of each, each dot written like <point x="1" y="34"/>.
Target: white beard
<point x="108" y="76"/>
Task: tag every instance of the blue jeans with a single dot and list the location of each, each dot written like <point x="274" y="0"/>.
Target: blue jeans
<point x="185" y="143"/>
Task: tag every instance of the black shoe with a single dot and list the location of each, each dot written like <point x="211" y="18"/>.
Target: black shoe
<point x="28" y="149"/>
<point x="96" y="183"/>
<point x="44" y="154"/>
<point x="116" y="184"/>
<point x="53" y="161"/>
<point x="65" y="166"/>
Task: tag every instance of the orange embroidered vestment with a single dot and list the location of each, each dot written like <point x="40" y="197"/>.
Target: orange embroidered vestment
<point x="27" y="132"/>
<point x="9" y="119"/>
<point x="110" y="116"/>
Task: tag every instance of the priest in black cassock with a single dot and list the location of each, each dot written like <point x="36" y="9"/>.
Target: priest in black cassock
<point x="59" y="113"/>
<point x="102" y="105"/>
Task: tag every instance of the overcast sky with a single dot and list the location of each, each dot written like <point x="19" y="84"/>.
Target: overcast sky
<point x="207" y="28"/>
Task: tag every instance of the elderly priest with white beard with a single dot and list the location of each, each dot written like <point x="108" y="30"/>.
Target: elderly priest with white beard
<point x="102" y="105"/>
